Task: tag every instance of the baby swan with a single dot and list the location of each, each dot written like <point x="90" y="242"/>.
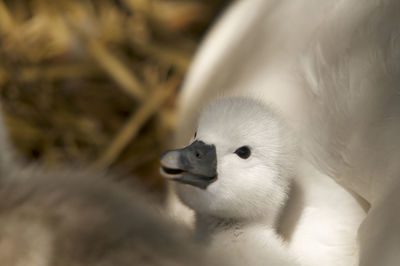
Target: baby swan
<point x="235" y="175"/>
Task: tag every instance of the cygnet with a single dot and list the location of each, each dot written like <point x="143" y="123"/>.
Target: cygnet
<point x="320" y="219"/>
<point x="236" y="175"/>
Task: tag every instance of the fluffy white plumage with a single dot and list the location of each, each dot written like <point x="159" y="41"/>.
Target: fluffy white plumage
<point x="332" y="70"/>
<point x="237" y="213"/>
<point x="240" y="211"/>
<point x="245" y="189"/>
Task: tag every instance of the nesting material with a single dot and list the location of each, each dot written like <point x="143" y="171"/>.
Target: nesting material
<point x="94" y="82"/>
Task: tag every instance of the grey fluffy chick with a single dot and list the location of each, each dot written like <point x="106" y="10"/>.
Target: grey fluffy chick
<point x="79" y="218"/>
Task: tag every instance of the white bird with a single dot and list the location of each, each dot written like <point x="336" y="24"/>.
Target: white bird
<point x="236" y="175"/>
<point x="241" y="165"/>
<point x="331" y="68"/>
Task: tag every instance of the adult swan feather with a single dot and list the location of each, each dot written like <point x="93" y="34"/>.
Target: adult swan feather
<point x="331" y="69"/>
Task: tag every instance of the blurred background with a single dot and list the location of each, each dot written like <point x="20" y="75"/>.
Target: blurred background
<point x="94" y="82"/>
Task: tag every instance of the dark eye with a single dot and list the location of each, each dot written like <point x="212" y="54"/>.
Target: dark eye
<point x="243" y="152"/>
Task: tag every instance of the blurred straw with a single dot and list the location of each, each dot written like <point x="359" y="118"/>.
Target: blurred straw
<point x="166" y="55"/>
<point x="136" y="121"/>
<point x="125" y="78"/>
<point x="61" y="62"/>
<point x="6" y="21"/>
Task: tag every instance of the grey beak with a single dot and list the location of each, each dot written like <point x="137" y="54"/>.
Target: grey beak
<point x="195" y="165"/>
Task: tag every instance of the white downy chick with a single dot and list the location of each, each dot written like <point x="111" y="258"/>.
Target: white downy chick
<point x="235" y="175"/>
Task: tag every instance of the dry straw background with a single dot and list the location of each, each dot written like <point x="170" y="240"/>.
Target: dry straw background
<point x="94" y="83"/>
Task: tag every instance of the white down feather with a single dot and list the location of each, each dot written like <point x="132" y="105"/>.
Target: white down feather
<point x="237" y="214"/>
